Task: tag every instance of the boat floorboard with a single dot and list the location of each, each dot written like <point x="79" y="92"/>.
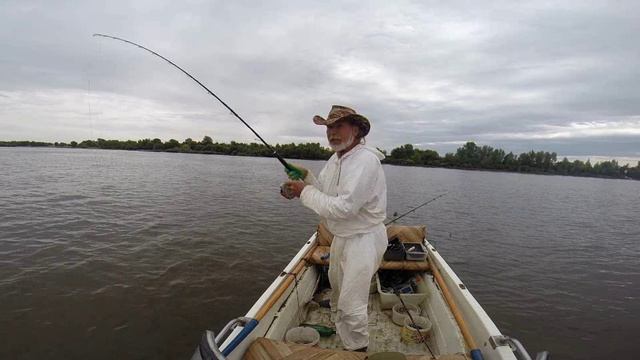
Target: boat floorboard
<point x="384" y="334"/>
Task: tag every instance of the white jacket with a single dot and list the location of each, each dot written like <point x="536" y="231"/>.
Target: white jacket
<point x="350" y="192"/>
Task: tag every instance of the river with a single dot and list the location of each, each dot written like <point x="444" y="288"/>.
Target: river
<point x="116" y="254"/>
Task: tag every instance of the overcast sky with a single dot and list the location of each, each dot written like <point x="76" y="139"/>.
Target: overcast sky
<point x="555" y="76"/>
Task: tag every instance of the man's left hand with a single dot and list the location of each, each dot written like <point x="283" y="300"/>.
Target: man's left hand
<point x="295" y="187"/>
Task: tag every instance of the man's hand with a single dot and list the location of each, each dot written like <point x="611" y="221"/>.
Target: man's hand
<point x="294" y="188"/>
<point x="296" y="172"/>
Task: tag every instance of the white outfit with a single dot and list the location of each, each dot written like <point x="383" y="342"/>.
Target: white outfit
<point x="350" y="195"/>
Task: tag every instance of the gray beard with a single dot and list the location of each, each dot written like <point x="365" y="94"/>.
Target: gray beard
<point x="343" y="145"/>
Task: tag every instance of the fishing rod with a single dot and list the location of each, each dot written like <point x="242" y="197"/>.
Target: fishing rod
<point x="415" y="208"/>
<point x="297" y="172"/>
<point x="413" y="323"/>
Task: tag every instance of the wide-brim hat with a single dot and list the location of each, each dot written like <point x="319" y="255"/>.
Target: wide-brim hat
<point x="339" y="112"/>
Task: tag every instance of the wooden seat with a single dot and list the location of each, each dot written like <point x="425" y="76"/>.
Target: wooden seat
<point x="320" y="251"/>
<point x="268" y="349"/>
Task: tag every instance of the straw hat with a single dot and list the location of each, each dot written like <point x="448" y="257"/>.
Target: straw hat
<point x="339" y="112"/>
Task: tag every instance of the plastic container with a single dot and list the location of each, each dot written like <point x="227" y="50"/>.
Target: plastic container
<point x="302" y="336"/>
<point x="410" y="335"/>
<point x="415" y="252"/>
<point x="399" y="313"/>
<point x="387" y="300"/>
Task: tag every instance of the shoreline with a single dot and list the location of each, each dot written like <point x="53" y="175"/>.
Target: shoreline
<point x="391" y="162"/>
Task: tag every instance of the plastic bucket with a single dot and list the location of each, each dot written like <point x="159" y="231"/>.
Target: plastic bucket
<point x="399" y="313"/>
<point x="302" y="336"/>
<point x="410" y="335"/>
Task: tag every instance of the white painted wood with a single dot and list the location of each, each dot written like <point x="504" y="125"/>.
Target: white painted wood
<point x="445" y="331"/>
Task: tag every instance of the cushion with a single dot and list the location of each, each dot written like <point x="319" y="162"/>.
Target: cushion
<point x="406" y="234"/>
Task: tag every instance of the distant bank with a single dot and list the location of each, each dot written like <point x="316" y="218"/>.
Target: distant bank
<point x="469" y="156"/>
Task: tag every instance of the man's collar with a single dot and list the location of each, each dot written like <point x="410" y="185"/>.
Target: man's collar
<point x="350" y="152"/>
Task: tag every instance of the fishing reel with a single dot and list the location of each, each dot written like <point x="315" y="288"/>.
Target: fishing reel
<point x="286" y="191"/>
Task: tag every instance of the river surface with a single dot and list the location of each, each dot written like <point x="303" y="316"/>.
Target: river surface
<point x="131" y="255"/>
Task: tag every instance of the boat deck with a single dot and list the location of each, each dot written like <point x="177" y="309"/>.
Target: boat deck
<point x="384" y="335"/>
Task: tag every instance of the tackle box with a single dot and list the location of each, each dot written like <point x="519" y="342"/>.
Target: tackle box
<point x="415" y="252"/>
<point x="388" y="299"/>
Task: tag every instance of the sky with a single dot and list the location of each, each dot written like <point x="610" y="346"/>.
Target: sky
<point x="559" y="76"/>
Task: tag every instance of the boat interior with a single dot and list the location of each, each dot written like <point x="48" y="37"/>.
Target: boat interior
<point x="306" y="305"/>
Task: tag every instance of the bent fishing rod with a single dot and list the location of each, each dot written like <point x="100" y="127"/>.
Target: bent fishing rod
<point x="287" y="166"/>
<point x="415" y="208"/>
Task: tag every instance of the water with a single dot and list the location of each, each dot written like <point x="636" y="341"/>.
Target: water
<point x="113" y="254"/>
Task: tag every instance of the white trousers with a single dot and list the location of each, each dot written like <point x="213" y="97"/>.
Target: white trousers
<point x="352" y="263"/>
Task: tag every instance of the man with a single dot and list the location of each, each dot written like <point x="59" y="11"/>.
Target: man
<point x="350" y="194"/>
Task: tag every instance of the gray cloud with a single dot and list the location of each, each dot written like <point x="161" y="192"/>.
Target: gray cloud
<point x="544" y="76"/>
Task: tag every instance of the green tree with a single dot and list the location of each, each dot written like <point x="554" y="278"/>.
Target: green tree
<point x="188" y="144"/>
<point x="157" y="144"/>
<point x="510" y="161"/>
<point x="206" y="141"/>
<point x="607" y="168"/>
<point x="172" y="144"/>
<point x="564" y="166"/>
<point x="403" y="152"/>
<point x="634" y="172"/>
<point x="450" y="159"/>
<point x="469" y="155"/>
<point x="425" y="157"/>
<point x="549" y="160"/>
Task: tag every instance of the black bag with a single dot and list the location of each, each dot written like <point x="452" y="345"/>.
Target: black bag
<point x="395" y="251"/>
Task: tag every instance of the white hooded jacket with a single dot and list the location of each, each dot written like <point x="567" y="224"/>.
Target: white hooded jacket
<point x="350" y="192"/>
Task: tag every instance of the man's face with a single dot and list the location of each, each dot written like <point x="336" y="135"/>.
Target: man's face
<point x="341" y="134"/>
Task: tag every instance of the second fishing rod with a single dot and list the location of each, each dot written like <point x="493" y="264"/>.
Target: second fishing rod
<point x="398" y="217"/>
<point x="294" y="172"/>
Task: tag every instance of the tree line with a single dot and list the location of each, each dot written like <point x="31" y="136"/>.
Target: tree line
<point x="311" y="151"/>
<point x="472" y="156"/>
<point x="468" y="156"/>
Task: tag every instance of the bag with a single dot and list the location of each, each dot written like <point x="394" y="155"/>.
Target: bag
<point x="395" y="251"/>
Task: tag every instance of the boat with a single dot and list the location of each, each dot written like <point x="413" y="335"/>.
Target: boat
<point x="459" y="327"/>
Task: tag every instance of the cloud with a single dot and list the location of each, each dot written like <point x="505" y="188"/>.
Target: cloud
<point x="593" y="129"/>
<point x="544" y="75"/>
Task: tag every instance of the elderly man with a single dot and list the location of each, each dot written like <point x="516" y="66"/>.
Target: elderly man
<point x="350" y="194"/>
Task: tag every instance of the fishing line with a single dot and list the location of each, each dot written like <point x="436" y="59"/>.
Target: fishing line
<point x="275" y="153"/>
<point x="88" y="97"/>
